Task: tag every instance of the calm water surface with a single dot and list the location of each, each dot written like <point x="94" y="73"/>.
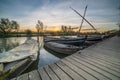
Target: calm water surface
<point x="45" y="57"/>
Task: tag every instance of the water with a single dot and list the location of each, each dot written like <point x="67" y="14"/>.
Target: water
<point x="45" y="57"/>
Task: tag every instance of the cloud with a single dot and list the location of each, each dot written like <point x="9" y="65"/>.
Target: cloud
<point x="57" y="12"/>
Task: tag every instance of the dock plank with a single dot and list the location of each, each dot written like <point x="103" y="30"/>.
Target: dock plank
<point x="80" y="71"/>
<point x="102" y="57"/>
<point x="62" y="75"/>
<point x="34" y="75"/>
<point x="109" y="53"/>
<point x="104" y="61"/>
<point x="115" y="73"/>
<point x="70" y="72"/>
<point x="110" y="44"/>
<point x="99" y="62"/>
<point x="96" y="68"/>
<point x="87" y="69"/>
<point x="43" y="74"/>
<point x="52" y="75"/>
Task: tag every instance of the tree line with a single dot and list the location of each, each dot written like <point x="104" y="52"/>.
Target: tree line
<point x="11" y="28"/>
<point x="7" y="26"/>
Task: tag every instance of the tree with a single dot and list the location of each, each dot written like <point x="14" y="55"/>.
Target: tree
<point x="7" y="26"/>
<point x="28" y="33"/>
<point x="39" y="26"/>
<point x="64" y="28"/>
<point x="15" y="26"/>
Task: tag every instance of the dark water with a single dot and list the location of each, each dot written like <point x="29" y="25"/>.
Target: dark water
<point x="45" y="57"/>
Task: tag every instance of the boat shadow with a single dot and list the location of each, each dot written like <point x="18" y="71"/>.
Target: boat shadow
<point x="59" y="55"/>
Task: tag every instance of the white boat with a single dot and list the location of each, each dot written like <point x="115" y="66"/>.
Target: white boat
<point x="29" y="48"/>
<point x="61" y="48"/>
<point x="20" y="56"/>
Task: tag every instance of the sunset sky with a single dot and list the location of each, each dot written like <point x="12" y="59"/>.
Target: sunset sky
<point x="103" y="14"/>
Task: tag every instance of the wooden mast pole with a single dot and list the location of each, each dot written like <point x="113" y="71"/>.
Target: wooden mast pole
<point x="84" y="19"/>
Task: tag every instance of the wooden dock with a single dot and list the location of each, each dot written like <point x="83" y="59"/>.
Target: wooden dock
<point x="97" y="62"/>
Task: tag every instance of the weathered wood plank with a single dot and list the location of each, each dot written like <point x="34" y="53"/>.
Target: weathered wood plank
<point x="62" y="75"/>
<point x="70" y="72"/>
<point x="80" y="71"/>
<point x="110" y="53"/>
<point x="52" y="75"/>
<point x="34" y="75"/>
<point x="102" y="57"/>
<point x="109" y="44"/>
<point x="43" y="74"/>
<point x="101" y="67"/>
<point x="103" y="45"/>
<point x="114" y="77"/>
<point x="98" y="62"/>
<point x="87" y="69"/>
<point x="107" y="50"/>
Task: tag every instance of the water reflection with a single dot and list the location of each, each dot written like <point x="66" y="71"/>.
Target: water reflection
<point x="44" y="58"/>
<point x="9" y="43"/>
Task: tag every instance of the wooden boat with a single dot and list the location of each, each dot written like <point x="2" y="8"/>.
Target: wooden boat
<point x="26" y="49"/>
<point x="69" y="41"/>
<point x="62" y="48"/>
<point x="15" y="68"/>
<point x="94" y="38"/>
<point x="55" y="53"/>
<point x="17" y="57"/>
<point x="50" y="38"/>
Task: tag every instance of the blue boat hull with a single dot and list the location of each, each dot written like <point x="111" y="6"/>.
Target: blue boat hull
<point x="69" y="41"/>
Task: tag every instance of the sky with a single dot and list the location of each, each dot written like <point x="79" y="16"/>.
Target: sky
<point x="103" y="14"/>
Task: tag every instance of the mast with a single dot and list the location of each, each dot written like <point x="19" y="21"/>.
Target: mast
<point x="84" y="19"/>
